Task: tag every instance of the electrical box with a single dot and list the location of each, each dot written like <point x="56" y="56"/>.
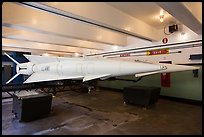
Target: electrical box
<point x="31" y="105"/>
<point x="173" y="28"/>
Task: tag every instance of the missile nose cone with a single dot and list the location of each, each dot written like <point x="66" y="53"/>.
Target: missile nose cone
<point x="135" y="68"/>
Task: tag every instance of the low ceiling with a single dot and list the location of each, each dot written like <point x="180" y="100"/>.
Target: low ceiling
<point x="80" y="28"/>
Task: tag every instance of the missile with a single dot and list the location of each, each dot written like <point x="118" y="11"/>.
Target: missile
<point x="44" y="68"/>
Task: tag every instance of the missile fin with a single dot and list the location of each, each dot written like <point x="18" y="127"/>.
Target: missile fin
<point x="39" y="77"/>
<point x="95" y="76"/>
<point x="144" y="74"/>
<point x="40" y="59"/>
<point x="170" y="68"/>
<point x="17" y="74"/>
<point x="11" y="58"/>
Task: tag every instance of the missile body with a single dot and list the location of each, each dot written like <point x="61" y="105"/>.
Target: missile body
<point x="41" y="68"/>
<point x="94" y="67"/>
<point x="86" y="69"/>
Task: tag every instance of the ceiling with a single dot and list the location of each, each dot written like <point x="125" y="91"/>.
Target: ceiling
<point x="147" y="12"/>
<point x="67" y="28"/>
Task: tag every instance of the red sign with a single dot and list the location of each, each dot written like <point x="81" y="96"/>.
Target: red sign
<point x="165" y="80"/>
<point x="165" y="40"/>
<point x="124" y="54"/>
<point x="157" y="52"/>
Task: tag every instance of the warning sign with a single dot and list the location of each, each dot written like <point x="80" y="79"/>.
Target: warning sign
<point x="124" y="54"/>
<point x="165" y="79"/>
<point x="158" y="52"/>
<point x="164" y="40"/>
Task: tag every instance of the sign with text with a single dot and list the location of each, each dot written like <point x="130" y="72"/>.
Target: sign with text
<point x="165" y="79"/>
<point x="124" y="54"/>
<point x="164" y="40"/>
<point x="158" y="52"/>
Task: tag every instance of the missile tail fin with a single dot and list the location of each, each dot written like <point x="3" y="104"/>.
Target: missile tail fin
<point x="11" y="58"/>
<point x="17" y="74"/>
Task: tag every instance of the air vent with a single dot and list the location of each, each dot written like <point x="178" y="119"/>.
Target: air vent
<point x="195" y="57"/>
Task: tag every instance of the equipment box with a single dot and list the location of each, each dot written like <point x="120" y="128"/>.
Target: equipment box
<point x="29" y="106"/>
<point x="144" y="96"/>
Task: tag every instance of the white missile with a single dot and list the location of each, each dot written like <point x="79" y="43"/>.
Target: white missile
<point x="43" y="68"/>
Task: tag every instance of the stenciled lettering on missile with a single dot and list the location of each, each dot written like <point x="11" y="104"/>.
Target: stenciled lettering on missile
<point x="45" y="68"/>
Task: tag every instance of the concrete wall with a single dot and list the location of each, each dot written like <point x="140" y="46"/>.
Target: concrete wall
<point x="183" y="84"/>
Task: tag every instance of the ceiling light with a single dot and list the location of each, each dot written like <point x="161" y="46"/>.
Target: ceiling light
<point x="76" y="54"/>
<point x="34" y="21"/>
<point x="127" y="28"/>
<point x="45" y="54"/>
<point x="183" y="35"/>
<point x="99" y="37"/>
<point x="161" y="12"/>
<point x="115" y="47"/>
<point x="161" y="18"/>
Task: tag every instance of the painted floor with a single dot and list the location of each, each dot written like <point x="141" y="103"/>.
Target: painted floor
<point x="103" y="112"/>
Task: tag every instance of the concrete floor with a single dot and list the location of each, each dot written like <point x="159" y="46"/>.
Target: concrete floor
<point x="103" y="112"/>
